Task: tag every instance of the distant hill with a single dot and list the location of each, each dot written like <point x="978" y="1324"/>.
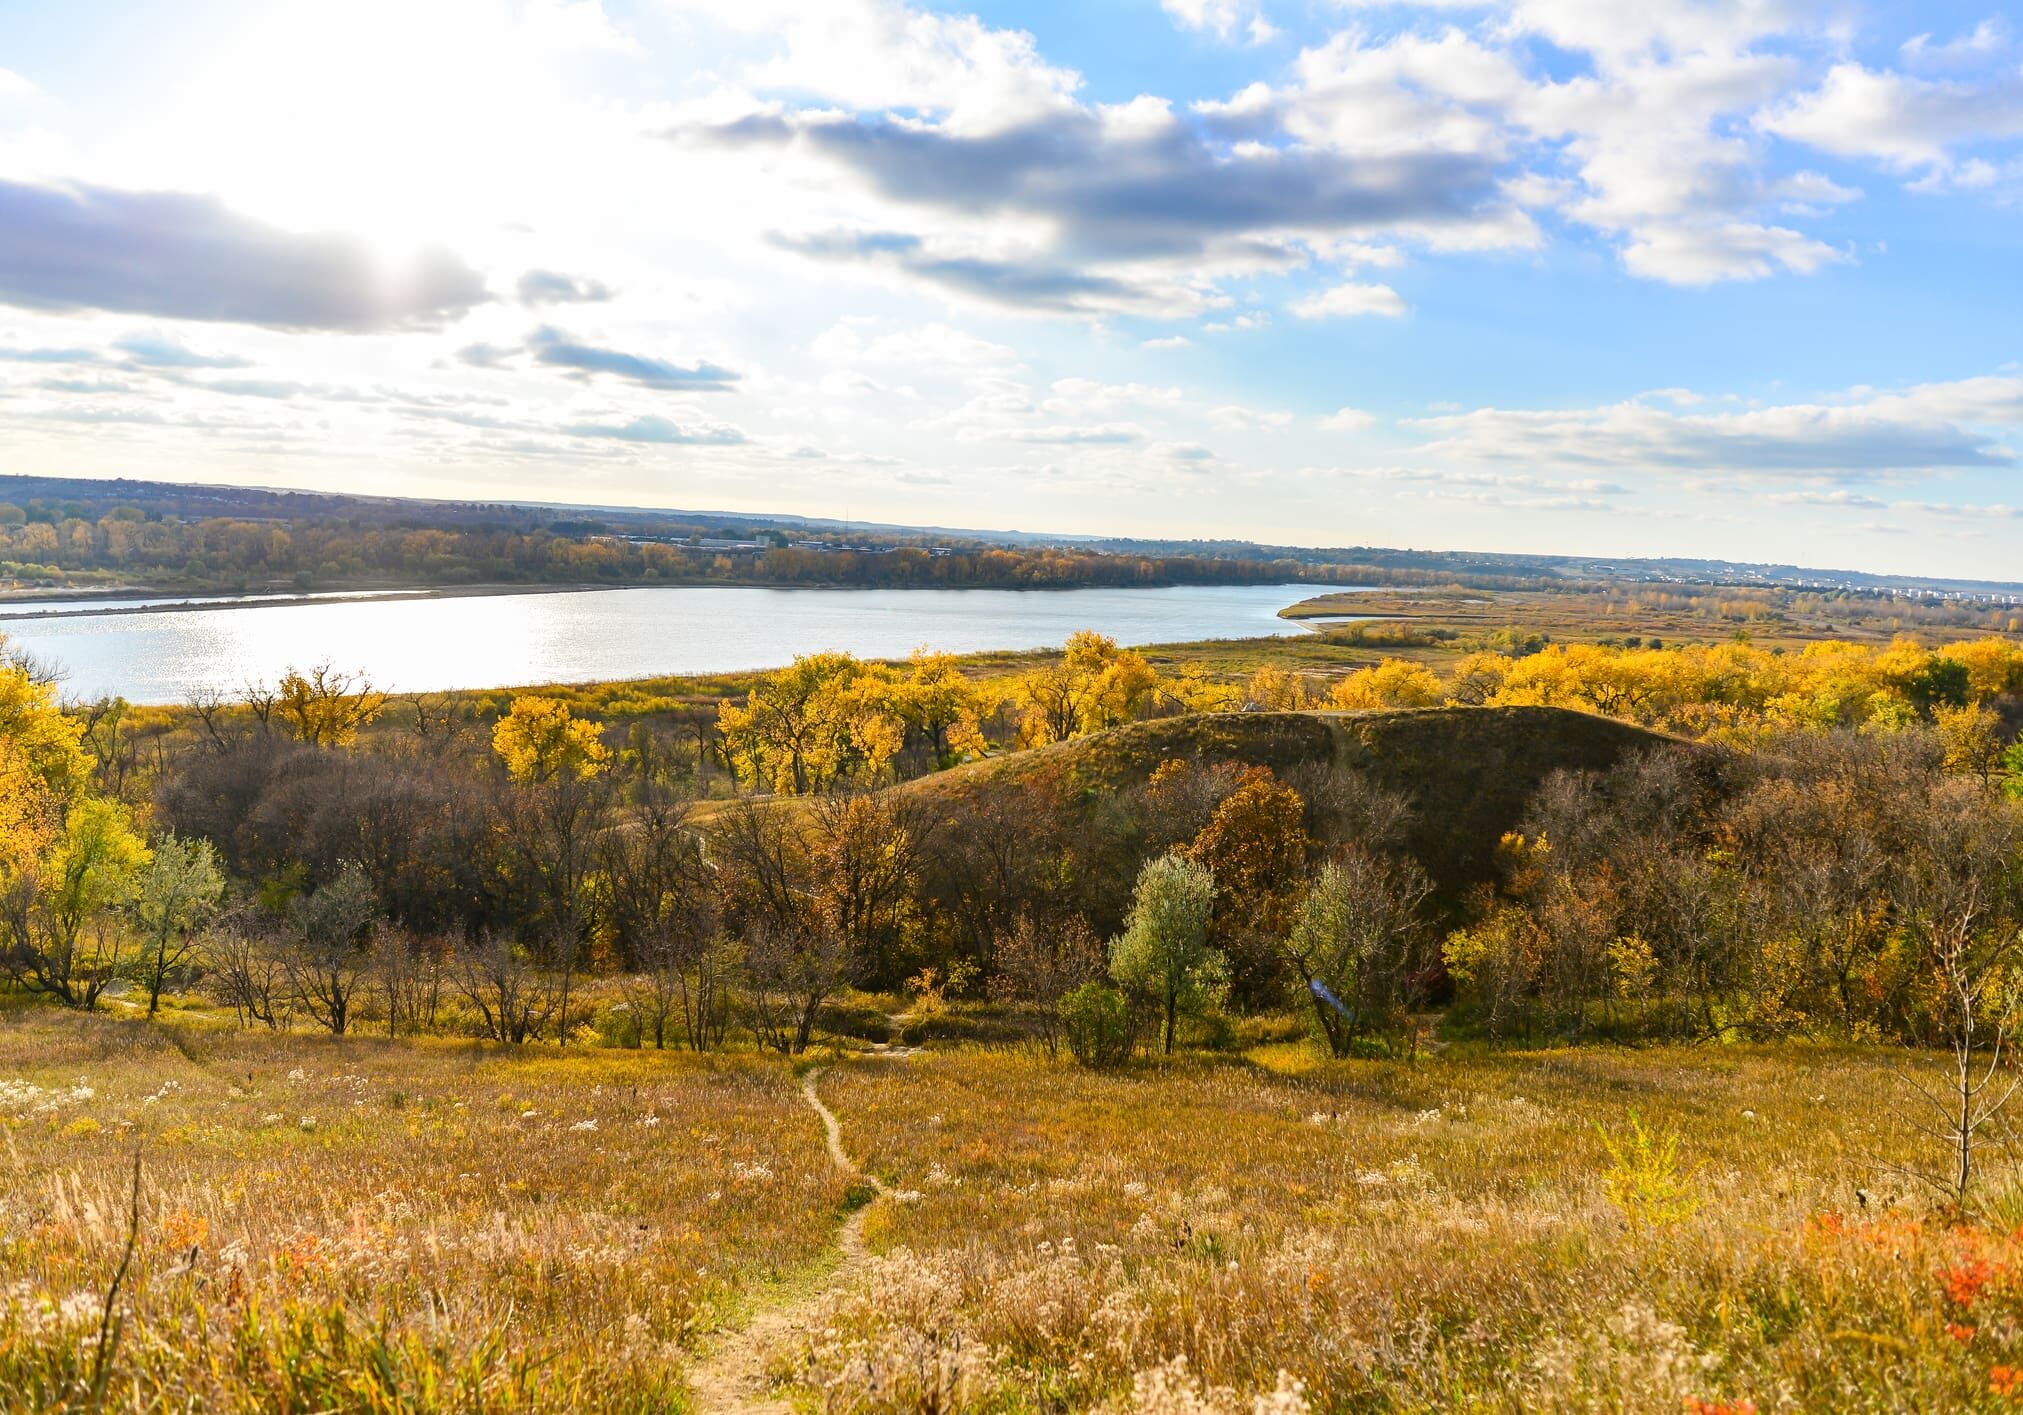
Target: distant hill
<point x="1468" y="772"/>
<point x="55" y="498"/>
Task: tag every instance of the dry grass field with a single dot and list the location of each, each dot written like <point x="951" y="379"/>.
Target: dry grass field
<point x="366" y="1225"/>
<point x="1476" y="1233"/>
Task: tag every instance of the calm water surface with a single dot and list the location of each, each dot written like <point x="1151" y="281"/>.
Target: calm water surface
<point x="422" y="645"/>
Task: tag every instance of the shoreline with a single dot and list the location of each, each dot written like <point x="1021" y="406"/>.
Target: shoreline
<point x="123" y="601"/>
<point x="1174" y="614"/>
<point x="120" y="602"/>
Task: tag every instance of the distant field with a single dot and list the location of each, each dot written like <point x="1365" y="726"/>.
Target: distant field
<point x="427" y="1225"/>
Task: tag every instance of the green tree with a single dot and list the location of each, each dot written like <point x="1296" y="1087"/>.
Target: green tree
<point x="1163" y="952"/>
<point x="1358" y="936"/>
<point x="173" y="894"/>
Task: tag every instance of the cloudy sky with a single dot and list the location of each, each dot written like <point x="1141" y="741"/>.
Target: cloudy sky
<point x="1714" y="277"/>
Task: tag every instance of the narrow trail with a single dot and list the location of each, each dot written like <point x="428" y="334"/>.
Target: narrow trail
<point x="732" y="1378"/>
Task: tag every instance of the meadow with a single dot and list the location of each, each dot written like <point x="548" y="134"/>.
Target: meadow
<point x="365" y="1224"/>
<point x="1461" y="1232"/>
<point x="368" y="1225"/>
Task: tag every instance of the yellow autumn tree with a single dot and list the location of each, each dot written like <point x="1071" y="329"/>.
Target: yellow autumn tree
<point x="325" y="707"/>
<point x="540" y="740"/>
<point x="67" y="857"/>
<point x="1280" y="690"/>
<point x="1393" y="683"/>
<point x="936" y="700"/>
<point x="822" y="717"/>
<point x="1094" y="684"/>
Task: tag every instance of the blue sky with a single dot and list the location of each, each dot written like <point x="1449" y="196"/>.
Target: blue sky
<point x="1718" y="278"/>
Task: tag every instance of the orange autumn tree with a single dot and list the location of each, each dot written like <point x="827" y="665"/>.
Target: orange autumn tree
<point x="1256" y="844"/>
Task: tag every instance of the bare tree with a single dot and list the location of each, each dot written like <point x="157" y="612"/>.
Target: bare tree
<point x="1961" y="898"/>
<point x="791" y="969"/>
<point x="408" y="972"/>
<point x="659" y="897"/>
<point x="247" y="972"/>
<point x="689" y="983"/>
<point x="554" y="828"/>
<point x="1345" y="807"/>
<point x="1039" y="966"/>
<point x="328" y="962"/>
<point x="114" y="741"/>
<point x="212" y="712"/>
<point x="514" y="998"/>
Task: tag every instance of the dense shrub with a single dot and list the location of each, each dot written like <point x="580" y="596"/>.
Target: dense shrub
<point x="1097" y="1023"/>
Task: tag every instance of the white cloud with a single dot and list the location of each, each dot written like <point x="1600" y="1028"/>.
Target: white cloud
<point x="1927" y="429"/>
<point x="1903" y="122"/>
<point x="1648" y="130"/>
<point x="1225" y="19"/>
<point x="1621" y="33"/>
<point x="927" y="348"/>
<point x="1169" y="342"/>
<point x="1988" y="38"/>
<point x="1076" y="434"/>
<point x="878" y="55"/>
<point x="1347" y="301"/>
<point x="1348" y="420"/>
<point x="1702" y="253"/>
<point x="1070" y="397"/>
<point x="1233" y="417"/>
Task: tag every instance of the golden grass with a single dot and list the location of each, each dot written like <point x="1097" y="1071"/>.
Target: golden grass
<point x="1449" y="1234"/>
<point x="372" y="1225"/>
<point x="458" y="1227"/>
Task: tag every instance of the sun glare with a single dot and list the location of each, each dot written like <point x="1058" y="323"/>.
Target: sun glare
<point x="402" y="123"/>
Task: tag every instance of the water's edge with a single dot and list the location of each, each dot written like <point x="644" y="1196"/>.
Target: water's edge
<point x="165" y="653"/>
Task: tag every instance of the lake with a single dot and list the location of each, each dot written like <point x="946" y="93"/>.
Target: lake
<point x="574" y="636"/>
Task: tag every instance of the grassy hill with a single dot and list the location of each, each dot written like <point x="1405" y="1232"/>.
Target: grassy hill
<point x="1467" y="771"/>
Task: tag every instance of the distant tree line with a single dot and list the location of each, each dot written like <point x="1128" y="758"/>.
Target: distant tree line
<point x="229" y="553"/>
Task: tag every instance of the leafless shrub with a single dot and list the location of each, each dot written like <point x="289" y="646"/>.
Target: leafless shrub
<point x="514" y="998"/>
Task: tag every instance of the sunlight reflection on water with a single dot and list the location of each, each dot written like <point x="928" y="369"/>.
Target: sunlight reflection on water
<point x="584" y="635"/>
